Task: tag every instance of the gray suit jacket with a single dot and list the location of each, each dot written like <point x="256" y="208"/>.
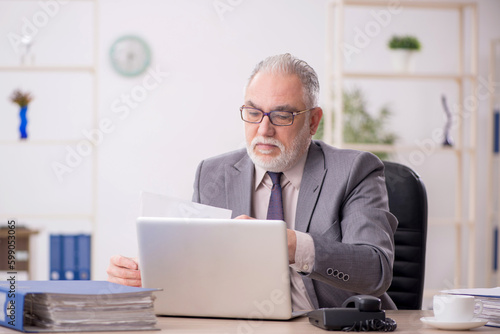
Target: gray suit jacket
<point x="342" y="204"/>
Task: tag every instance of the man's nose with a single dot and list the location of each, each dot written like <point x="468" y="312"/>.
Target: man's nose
<point x="266" y="128"/>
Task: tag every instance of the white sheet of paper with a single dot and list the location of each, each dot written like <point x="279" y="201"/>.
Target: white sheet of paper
<point x="156" y="205"/>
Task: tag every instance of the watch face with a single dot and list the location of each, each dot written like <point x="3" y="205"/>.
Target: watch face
<point x="130" y="55"/>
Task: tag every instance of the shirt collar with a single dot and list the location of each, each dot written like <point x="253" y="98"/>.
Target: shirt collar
<point x="293" y="175"/>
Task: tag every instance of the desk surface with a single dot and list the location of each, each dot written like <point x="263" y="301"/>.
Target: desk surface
<point x="408" y="322"/>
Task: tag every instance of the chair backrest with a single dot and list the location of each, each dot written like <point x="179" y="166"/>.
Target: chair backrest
<point x="408" y="202"/>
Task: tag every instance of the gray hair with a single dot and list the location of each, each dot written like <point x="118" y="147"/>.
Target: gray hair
<point x="288" y="64"/>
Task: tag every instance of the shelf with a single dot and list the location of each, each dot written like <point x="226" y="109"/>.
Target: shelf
<point x="493" y="205"/>
<point x="412" y="4"/>
<point x="463" y="200"/>
<point x="449" y="221"/>
<point x="400" y="148"/>
<point x="20" y="232"/>
<point x="22" y="216"/>
<point x="407" y="76"/>
<point x="41" y="142"/>
<point x="90" y="69"/>
<point x="71" y="0"/>
<point x="71" y="219"/>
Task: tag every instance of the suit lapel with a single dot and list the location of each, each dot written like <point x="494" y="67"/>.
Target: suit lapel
<point x="238" y="183"/>
<point x="310" y="187"/>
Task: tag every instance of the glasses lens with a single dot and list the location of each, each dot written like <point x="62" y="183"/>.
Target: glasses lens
<point x="281" y="118"/>
<point x="251" y="115"/>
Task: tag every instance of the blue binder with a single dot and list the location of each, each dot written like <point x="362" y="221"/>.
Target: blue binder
<point x="70" y="257"/>
<point x="82" y="257"/>
<point x="13" y="294"/>
<point x="56" y="272"/>
<point x="496" y="132"/>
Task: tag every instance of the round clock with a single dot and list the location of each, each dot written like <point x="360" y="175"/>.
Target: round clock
<point x="130" y="55"/>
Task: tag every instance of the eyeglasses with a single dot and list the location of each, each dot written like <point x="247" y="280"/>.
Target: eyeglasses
<point x="278" y="118"/>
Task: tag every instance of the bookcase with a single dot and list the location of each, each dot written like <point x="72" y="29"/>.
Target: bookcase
<point x="493" y="223"/>
<point x="62" y="76"/>
<point x="22" y="252"/>
<point x="462" y="216"/>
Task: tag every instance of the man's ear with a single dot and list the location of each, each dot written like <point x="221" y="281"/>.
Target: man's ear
<point x="315" y="118"/>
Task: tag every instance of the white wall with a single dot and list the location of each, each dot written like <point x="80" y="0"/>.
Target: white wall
<point x="193" y="113"/>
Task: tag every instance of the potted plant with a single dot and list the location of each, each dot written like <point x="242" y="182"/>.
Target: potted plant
<point x="22" y="100"/>
<point x="403" y="52"/>
<point x="361" y="126"/>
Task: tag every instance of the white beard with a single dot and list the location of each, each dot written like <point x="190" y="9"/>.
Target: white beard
<point x="287" y="158"/>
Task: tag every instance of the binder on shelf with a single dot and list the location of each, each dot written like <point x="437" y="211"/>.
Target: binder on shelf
<point x="83" y="257"/>
<point x="49" y="306"/>
<point x="496" y="132"/>
<point x="56" y="272"/>
<point x="70" y="257"/>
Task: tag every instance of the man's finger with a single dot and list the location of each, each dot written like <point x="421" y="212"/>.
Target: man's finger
<point x="244" y="217"/>
<point x="122" y="281"/>
<point x="125" y="273"/>
<point x="124" y="262"/>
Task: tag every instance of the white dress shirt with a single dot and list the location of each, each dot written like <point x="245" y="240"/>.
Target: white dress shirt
<point x="304" y="254"/>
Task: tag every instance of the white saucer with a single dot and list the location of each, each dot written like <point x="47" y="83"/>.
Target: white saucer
<point x="453" y="325"/>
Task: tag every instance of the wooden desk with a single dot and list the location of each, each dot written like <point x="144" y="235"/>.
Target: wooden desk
<point x="408" y="322"/>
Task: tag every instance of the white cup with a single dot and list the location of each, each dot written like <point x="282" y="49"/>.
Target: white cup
<point x="455" y="308"/>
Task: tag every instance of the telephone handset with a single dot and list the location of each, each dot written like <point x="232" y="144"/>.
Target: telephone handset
<point x="358" y="313"/>
<point x="364" y="303"/>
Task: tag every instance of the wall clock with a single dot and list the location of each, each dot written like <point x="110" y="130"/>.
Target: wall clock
<point x="130" y="55"/>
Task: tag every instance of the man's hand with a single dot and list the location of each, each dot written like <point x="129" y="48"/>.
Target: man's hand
<point x="291" y="237"/>
<point x="292" y="245"/>
<point x="244" y="217"/>
<point x="124" y="270"/>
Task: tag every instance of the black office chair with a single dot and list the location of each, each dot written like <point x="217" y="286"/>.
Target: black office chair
<point x="408" y="202"/>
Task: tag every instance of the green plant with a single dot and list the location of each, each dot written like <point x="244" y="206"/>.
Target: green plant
<point x="360" y="126"/>
<point x="404" y="42"/>
<point x="22" y="99"/>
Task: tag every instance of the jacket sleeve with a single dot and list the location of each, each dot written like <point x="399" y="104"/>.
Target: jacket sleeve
<point x="196" y="185"/>
<point x="354" y="251"/>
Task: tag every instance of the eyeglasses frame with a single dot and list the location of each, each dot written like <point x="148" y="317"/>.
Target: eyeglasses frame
<point x="268" y="114"/>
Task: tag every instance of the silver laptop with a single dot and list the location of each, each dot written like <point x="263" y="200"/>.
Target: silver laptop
<point x="216" y="267"/>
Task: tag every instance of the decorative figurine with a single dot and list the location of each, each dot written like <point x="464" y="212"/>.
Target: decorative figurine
<point x="447" y="141"/>
<point x="27" y="56"/>
<point x="22" y="99"/>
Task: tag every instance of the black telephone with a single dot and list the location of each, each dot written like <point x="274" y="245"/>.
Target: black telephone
<point x="358" y="313"/>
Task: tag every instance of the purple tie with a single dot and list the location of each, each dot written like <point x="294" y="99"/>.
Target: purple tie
<point x="275" y="210"/>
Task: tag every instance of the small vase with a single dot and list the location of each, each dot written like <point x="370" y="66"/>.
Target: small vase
<point x="24" y="122"/>
<point x="403" y="60"/>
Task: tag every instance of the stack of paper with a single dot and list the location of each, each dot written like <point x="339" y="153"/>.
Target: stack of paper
<point x="34" y="306"/>
<point x="489" y="297"/>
